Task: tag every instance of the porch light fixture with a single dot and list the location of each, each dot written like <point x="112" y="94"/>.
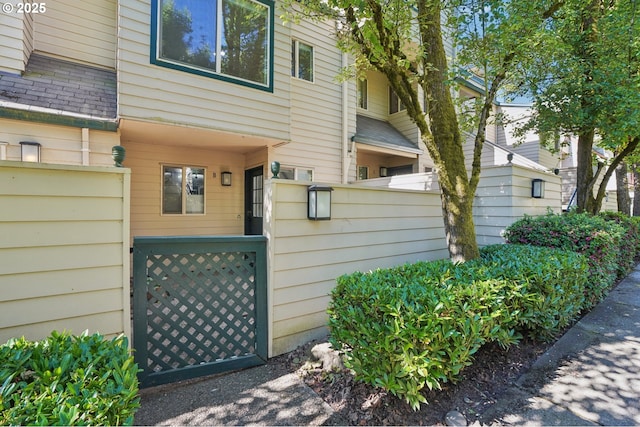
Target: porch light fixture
<point x="537" y="188"/>
<point x="319" y="202"/>
<point x="226" y="179"/>
<point x="383" y="171"/>
<point x="30" y="152"/>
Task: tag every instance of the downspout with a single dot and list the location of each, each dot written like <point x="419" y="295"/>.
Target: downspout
<point x="346" y="158"/>
<point x="85" y="146"/>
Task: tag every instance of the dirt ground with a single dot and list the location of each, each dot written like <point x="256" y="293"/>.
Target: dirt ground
<point x="493" y="370"/>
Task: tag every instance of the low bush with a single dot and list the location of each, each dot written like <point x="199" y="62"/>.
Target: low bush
<point x="598" y="239"/>
<point x="418" y="325"/>
<point x="68" y="380"/>
<point x="629" y="242"/>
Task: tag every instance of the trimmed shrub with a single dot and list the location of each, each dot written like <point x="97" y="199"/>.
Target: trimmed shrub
<point x="68" y="380"/>
<point x="593" y="236"/>
<point x="629" y="242"/>
<point x="418" y="325"/>
<point x="550" y="285"/>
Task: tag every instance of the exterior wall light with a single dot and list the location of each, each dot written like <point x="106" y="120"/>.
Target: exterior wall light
<point x="226" y="179"/>
<point x="537" y="188"/>
<point x="383" y="171"/>
<point x="319" y="202"/>
<point x="30" y="152"/>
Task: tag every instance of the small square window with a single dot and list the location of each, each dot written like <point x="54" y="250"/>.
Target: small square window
<point x="183" y="190"/>
<point x="301" y="60"/>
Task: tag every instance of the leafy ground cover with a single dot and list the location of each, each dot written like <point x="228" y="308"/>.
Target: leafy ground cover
<point x="493" y="371"/>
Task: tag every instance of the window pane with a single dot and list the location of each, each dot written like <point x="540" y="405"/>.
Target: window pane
<point x="257" y="197"/>
<point x="188" y="32"/>
<point x="305" y="61"/>
<point x="362" y="94"/>
<point x="305" y="175"/>
<point x="245" y="30"/>
<point x="287" y="173"/>
<point x="195" y="190"/>
<point x="172" y="190"/>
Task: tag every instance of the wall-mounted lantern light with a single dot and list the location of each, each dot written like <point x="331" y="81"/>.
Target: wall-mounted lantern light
<point x="30" y="152"/>
<point x="383" y="171"/>
<point x="226" y="179"/>
<point x="319" y="202"/>
<point x="537" y="188"/>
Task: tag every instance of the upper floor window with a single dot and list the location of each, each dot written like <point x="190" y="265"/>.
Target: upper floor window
<point x="226" y="39"/>
<point x="301" y="60"/>
<point x="362" y="93"/>
<point x="395" y="105"/>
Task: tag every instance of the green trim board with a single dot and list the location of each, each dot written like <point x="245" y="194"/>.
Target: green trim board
<point x="58" y="119"/>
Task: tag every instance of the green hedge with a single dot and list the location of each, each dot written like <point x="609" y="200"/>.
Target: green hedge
<point x="68" y="380"/>
<point x="601" y="240"/>
<point x="418" y="325"/>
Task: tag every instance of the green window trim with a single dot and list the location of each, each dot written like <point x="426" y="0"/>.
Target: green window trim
<point x="216" y="51"/>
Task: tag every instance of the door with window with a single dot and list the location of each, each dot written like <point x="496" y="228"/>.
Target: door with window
<point x="253" y="201"/>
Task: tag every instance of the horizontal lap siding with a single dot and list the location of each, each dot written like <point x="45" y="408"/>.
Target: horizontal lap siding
<point x="224" y="205"/>
<point x="11" y="42"/>
<point x="79" y="30"/>
<point x="158" y="94"/>
<point x="370" y="228"/>
<point x="64" y="253"/>
<point x="504" y="196"/>
<point x="59" y="144"/>
<point x="316" y="108"/>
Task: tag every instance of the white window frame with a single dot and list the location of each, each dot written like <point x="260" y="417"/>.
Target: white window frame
<point x="296" y="172"/>
<point x="363" y="94"/>
<point x="183" y="202"/>
<point x="295" y="58"/>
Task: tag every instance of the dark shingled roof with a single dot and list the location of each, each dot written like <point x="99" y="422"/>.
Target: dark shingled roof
<point x="62" y="85"/>
<point x="381" y="134"/>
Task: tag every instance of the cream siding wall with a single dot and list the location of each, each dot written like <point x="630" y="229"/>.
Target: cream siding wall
<point x="378" y="97"/>
<point x="59" y="144"/>
<point x="13" y="28"/>
<point x="80" y="30"/>
<point x="370" y="228"/>
<point x="157" y="94"/>
<point x="64" y="251"/>
<point x="316" y="108"/>
<point x="224" y="206"/>
<point x="504" y="196"/>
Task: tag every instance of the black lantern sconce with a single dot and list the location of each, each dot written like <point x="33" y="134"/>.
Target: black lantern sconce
<point x="30" y="152"/>
<point x="319" y="202"/>
<point x="537" y="188"/>
<point x="383" y="171"/>
<point x="225" y="177"/>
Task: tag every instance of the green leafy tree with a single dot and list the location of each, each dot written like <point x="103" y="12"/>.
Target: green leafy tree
<point x="406" y="41"/>
<point x="586" y="83"/>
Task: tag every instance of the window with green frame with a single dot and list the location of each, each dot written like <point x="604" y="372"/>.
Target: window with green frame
<point x="226" y="39"/>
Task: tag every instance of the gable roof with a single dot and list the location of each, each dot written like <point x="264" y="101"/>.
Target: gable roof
<point x="54" y="85"/>
<point x="379" y="133"/>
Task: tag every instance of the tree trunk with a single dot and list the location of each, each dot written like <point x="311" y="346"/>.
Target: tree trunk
<point x="636" y="190"/>
<point x="584" y="174"/>
<point x="622" y="189"/>
<point x="444" y="141"/>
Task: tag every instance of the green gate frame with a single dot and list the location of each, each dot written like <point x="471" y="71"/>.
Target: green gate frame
<point x="143" y="248"/>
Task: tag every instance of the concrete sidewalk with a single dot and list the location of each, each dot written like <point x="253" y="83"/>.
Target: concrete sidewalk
<point x="591" y="376"/>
